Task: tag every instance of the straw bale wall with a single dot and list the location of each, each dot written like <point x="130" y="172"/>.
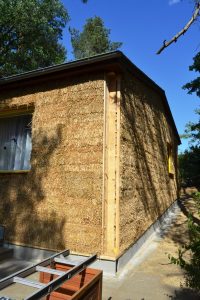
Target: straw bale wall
<point x="58" y="204"/>
<point x="146" y="189"/>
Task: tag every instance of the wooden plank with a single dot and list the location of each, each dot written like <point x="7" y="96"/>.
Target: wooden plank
<point x="104" y="194"/>
<point x="13" y="112"/>
<point x="57" y="282"/>
<point x="14" y="171"/>
<point x="118" y="165"/>
<point x="111" y="166"/>
<point x="83" y="289"/>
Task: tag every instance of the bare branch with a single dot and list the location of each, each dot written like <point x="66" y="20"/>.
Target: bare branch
<point x="187" y="26"/>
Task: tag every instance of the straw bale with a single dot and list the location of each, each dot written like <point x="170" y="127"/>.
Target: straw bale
<point x="58" y="204"/>
<point x="146" y="189"/>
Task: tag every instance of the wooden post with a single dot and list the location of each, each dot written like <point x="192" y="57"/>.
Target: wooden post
<point x="111" y="166"/>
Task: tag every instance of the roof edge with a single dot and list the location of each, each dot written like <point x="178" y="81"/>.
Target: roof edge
<point x="61" y="67"/>
<point x="117" y="56"/>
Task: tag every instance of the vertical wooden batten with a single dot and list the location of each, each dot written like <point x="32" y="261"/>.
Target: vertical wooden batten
<point x="104" y="169"/>
<point x="111" y="166"/>
<point x="118" y="163"/>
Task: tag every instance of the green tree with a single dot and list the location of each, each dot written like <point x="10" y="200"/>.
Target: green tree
<point x="30" y="31"/>
<point x="194" y="85"/>
<point x="189" y="161"/>
<point x="193" y="129"/>
<point x="189" y="167"/>
<point x="94" y="39"/>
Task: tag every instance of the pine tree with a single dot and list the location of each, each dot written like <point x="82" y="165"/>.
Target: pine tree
<point x="94" y="39"/>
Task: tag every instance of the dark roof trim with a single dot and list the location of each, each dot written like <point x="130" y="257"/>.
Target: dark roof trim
<point x="99" y="60"/>
<point x="116" y="56"/>
<point x="62" y="67"/>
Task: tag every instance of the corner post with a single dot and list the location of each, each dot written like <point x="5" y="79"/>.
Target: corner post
<point x="111" y="165"/>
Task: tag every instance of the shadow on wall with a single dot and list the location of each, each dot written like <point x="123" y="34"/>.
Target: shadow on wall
<point x="22" y="194"/>
<point x="147" y="142"/>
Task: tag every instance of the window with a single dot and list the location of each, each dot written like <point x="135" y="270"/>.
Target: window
<point x="170" y="159"/>
<point x="15" y="143"/>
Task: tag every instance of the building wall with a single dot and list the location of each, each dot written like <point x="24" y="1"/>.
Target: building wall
<point x="146" y="188"/>
<point x="58" y="204"/>
<point x="75" y="164"/>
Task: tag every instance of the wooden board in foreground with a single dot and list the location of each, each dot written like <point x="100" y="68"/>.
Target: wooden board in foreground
<point x="87" y="285"/>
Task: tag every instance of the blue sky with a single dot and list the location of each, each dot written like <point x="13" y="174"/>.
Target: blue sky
<point x="142" y="26"/>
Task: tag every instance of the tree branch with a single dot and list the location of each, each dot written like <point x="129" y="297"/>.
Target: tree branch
<point x="187" y="26"/>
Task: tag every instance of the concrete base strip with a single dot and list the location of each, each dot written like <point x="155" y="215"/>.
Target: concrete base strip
<point x="149" y="240"/>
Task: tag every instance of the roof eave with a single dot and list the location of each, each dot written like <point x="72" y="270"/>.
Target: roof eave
<point x="102" y="61"/>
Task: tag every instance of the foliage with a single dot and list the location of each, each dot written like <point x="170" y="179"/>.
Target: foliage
<point x="191" y="265"/>
<point x="194" y="85"/>
<point x="94" y="39"/>
<point x="192" y="131"/>
<point x="30" y="34"/>
<point x="189" y="161"/>
<point x="189" y="167"/>
<point x="197" y="199"/>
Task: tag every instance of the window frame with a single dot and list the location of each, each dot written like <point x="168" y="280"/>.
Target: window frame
<point x="12" y="113"/>
<point x="170" y="160"/>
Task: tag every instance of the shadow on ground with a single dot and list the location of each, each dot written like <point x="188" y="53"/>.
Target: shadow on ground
<point x="179" y="234"/>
